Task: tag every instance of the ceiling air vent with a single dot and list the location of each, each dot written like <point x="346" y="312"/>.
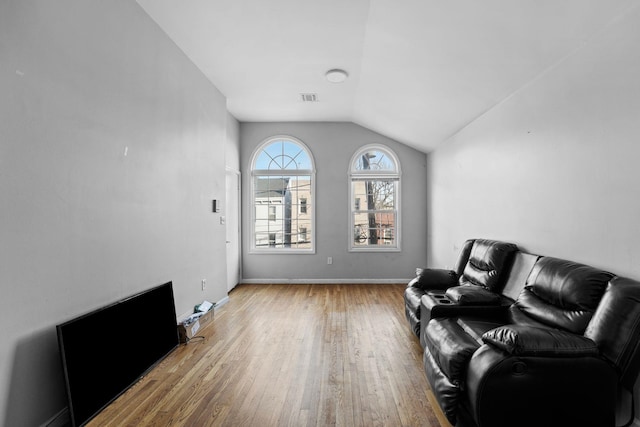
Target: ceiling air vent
<point x="309" y="97"/>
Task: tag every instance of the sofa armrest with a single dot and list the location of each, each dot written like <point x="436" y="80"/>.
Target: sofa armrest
<point x="523" y="340"/>
<point x="434" y="278"/>
<point x="473" y="295"/>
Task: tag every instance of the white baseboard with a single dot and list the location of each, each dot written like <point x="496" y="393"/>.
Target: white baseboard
<point x="61" y="419"/>
<point x="222" y="302"/>
<point x="323" y="281"/>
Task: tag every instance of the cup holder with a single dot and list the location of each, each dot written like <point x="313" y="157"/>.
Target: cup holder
<point x="440" y="298"/>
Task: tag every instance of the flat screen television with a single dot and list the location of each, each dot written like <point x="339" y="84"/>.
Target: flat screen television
<point x="106" y="351"/>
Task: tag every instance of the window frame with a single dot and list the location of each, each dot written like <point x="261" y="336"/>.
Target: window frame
<point x="311" y="173"/>
<point x="360" y="175"/>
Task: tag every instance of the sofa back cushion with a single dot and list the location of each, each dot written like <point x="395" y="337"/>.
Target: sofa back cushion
<point x="463" y="258"/>
<point x="615" y="327"/>
<point x="486" y="264"/>
<point x="562" y="294"/>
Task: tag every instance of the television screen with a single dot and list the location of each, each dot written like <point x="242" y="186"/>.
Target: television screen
<point x="106" y="351"/>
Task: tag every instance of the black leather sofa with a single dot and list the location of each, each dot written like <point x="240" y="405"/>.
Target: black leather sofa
<point x="478" y="277"/>
<point x="546" y="342"/>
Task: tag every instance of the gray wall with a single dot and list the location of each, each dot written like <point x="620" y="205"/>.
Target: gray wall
<point x="332" y="146"/>
<point x="111" y="150"/>
<point x="554" y="168"/>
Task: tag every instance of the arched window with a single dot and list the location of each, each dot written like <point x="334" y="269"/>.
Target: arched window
<point x="283" y="197"/>
<point x="375" y="200"/>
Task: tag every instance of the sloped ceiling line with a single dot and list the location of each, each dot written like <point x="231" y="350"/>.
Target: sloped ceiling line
<point x="419" y="70"/>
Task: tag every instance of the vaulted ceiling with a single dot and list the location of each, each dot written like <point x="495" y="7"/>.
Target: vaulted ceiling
<point x="419" y="70"/>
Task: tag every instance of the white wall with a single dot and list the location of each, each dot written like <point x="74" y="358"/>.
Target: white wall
<point x="333" y="145"/>
<point x="554" y="168"/>
<point x="232" y="147"/>
<point x="111" y="147"/>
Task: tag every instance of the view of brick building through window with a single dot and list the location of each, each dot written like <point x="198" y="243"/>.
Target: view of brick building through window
<point x="282" y="211"/>
<point x="374" y="221"/>
<point x="283" y="199"/>
<point x="374" y="204"/>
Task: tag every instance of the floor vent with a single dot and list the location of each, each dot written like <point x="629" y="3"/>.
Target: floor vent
<point x="309" y="97"/>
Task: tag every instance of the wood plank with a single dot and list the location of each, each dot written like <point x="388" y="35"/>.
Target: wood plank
<point x="290" y="355"/>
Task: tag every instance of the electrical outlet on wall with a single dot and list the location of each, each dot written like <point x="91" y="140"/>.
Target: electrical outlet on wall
<point x="204" y="284"/>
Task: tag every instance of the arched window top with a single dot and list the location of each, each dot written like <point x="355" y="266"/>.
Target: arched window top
<point x="374" y="159"/>
<point x="282" y="153"/>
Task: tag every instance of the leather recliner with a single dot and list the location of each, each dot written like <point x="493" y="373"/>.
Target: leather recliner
<point x="477" y="280"/>
<point x="556" y="357"/>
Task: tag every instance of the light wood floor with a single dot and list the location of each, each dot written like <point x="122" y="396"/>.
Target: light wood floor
<point x="290" y="355"/>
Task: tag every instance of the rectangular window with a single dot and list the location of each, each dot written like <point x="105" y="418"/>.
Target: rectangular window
<point x="374" y="223"/>
<point x="282" y="206"/>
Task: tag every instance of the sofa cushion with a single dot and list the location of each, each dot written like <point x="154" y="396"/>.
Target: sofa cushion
<point x="486" y="264"/>
<point x="447" y="393"/>
<point x="412" y="299"/>
<point x="463" y="258"/>
<point x="472" y="295"/>
<point x="450" y="346"/>
<point x="562" y="294"/>
<point x="435" y="278"/>
<point x="477" y="327"/>
<point x="523" y="340"/>
<point x="615" y="327"/>
<point x="412" y="307"/>
<point x="550" y="315"/>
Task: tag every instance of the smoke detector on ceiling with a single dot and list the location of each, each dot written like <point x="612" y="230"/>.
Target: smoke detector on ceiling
<point x="336" y="75"/>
